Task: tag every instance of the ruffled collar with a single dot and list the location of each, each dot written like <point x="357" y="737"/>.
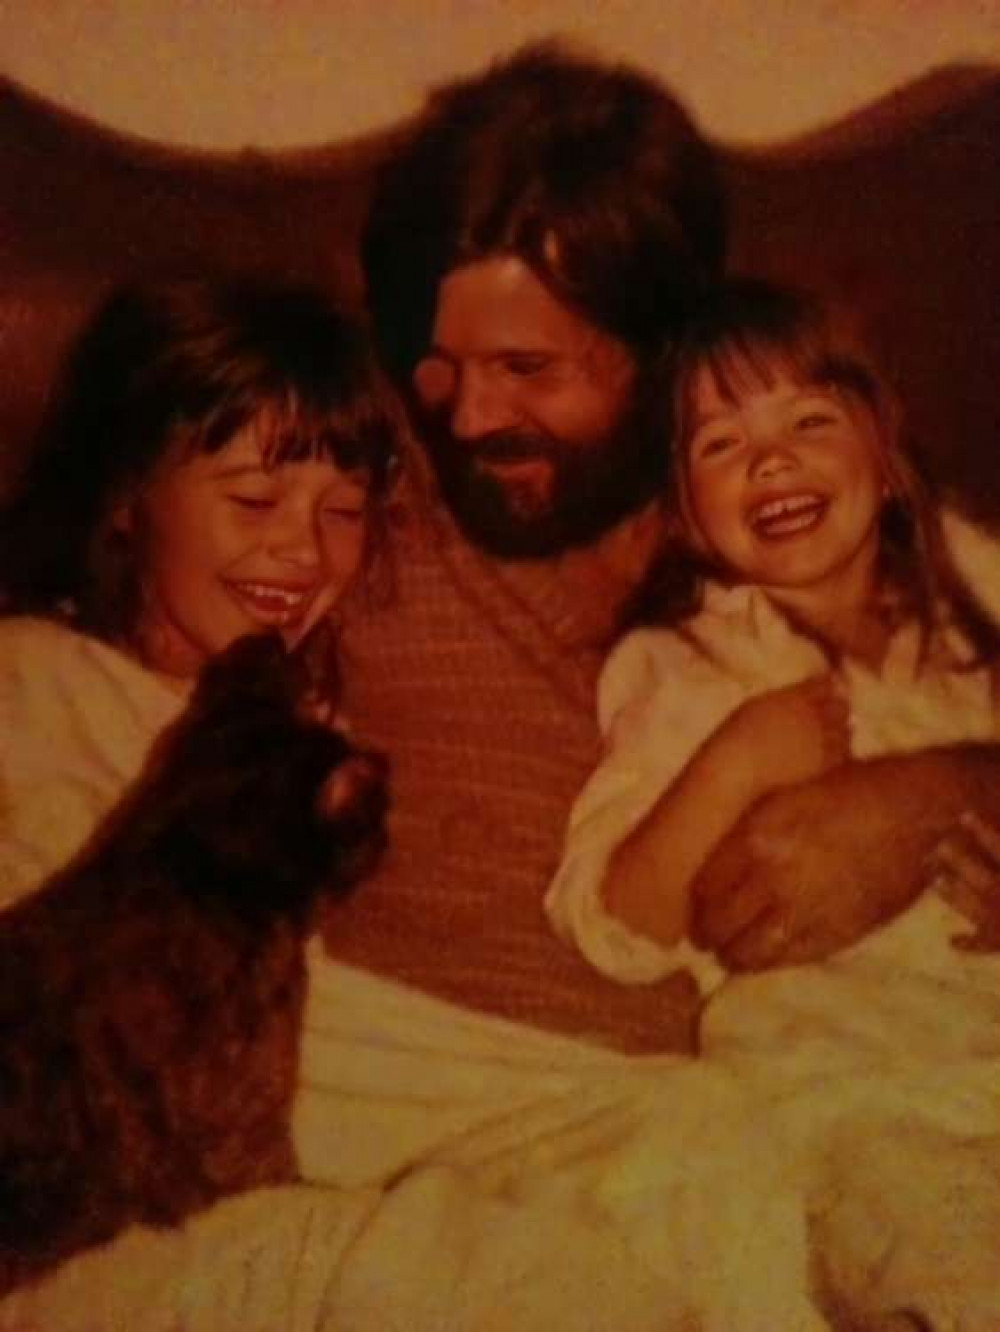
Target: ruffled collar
<point x="748" y="608"/>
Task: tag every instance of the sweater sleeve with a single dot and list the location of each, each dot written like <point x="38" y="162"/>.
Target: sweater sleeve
<point x="659" y="698"/>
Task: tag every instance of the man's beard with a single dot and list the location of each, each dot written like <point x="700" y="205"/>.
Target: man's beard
<point x="592" y="486"/>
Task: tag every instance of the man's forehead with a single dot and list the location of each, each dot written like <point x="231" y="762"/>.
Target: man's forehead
<point x="498" y="305"/>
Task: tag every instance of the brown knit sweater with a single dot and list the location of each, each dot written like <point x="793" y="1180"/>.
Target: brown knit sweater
<point x="477" y="679"/>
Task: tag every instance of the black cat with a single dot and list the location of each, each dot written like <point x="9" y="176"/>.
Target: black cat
<point x="151" y="993"/>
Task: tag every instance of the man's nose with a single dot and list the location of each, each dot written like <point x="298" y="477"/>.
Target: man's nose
<point x="481" y="405"/>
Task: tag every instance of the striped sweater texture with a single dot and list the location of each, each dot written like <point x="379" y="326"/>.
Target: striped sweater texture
<point x="477" y="679"/>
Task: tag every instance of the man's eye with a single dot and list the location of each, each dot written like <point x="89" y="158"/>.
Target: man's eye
<point x="254" y="503"/>
<point x="523" y="367"/>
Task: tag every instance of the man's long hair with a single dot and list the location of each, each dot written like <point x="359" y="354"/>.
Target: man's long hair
<point x="587" y="171"/>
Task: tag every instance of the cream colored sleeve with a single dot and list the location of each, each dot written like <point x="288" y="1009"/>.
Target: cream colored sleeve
<point x="658" y="700"/>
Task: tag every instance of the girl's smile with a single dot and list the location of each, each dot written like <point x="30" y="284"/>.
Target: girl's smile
<point x="231" y="544"/>
<point x="787" y="515"/>
<point x="272" y="604"/>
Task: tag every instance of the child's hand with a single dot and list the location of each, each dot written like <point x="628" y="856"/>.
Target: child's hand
<point x="965" y="870"/>
<point x="792" y="734"/>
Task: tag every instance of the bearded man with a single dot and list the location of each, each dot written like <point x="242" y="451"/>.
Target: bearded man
<point x="530" y="249"/>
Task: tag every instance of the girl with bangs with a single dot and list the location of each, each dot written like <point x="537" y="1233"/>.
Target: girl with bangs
<point x="211" y="467"/>
<point x="208" y="479"/>
<point x="208" y="469"/>
<point x="814" y="606"/>
<point x="751" y="338"/>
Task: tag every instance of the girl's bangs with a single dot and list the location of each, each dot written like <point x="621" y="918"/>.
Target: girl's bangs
<point x="295" y="434"/>
<point x="357" y="433"/>
<point x="355" y="438"/>
<point x="748" y="361"/>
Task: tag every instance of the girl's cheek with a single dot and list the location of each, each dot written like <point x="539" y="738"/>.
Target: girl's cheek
<point x="343" y="552"/>
<point x="691" y="521"/>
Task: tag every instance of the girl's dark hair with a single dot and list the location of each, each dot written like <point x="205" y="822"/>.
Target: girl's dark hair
<point x="748" y="333"/>
<point x="586" y="170"/>
<point x="182" y="367"/>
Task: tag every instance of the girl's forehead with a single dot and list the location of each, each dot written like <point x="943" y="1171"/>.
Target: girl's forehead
<point x="254" y="450"/>
<point x="724" y="385"/>
<point x="270" y="441"/>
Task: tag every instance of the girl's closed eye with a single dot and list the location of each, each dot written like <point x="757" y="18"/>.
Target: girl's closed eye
<point x="253" y="503"/>
<point x="712" y="444"/>
<point x="346" y="502"/>
<point x="247" y="487"/>
<point x="344" y="513"/>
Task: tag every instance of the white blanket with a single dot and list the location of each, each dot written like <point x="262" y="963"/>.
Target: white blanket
<point x="475" y="1175"/>
<point x="889" y="1051"/>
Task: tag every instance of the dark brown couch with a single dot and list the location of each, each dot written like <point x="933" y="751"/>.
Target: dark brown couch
<point x="898" y="205"/>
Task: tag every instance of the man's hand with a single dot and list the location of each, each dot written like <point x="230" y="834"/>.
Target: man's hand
<point x="965" y="869"/>
<point x="812" y="869"/>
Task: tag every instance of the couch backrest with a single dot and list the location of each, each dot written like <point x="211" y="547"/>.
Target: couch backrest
<point x="898" y="207"/>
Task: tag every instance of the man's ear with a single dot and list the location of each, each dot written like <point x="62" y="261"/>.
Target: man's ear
<point x="121" y="520"/>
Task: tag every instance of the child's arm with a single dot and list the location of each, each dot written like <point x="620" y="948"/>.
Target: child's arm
<point x="776" y="739"/>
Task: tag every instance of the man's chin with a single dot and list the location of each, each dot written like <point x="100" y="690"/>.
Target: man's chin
<point x="531" y="508"/>
<point x="528" y="486"/>
<point x="505" y="532"/>
<point x="510" y="543"/>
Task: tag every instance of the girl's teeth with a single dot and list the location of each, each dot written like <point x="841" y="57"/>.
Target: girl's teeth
<point x="274" y="594"/>
<point x="790" y="523"/>
<point x="786" y="516"/>
<point x="779" y="506"/>
<point x="274" y="602"/>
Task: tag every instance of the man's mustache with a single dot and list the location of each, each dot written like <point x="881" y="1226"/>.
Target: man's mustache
<point x="513" y="448"/>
